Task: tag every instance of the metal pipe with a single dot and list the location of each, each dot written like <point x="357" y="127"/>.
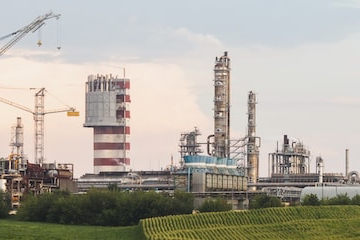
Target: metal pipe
<point x="208" y="144"/>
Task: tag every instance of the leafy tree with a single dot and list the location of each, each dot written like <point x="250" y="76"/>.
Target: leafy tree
<point x="264" y="201"/>
<point x="4" y="204"/>
<point x="215" y="205"/>
<point x="113" y="187"/>
<point x="356" y="200"/>
<point x="310" y="199"/>
<point x="341" y="199"/>
<point x="183" y="202"/>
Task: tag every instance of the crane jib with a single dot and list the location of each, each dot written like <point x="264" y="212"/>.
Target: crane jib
<point x="33" y="26"/>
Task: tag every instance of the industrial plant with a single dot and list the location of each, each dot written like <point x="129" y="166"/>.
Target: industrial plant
<point x="221" y="165"/>
<point x="19" y="176"/>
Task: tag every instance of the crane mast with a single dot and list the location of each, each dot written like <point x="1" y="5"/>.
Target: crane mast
<point x="33" y="26"/>
<point x="39" y="126"/>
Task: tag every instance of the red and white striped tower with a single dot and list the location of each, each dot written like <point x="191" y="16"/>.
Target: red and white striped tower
<point x="108" y="112"/>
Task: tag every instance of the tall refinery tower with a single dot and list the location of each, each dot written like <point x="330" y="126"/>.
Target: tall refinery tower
<point x="252" y="144"/>
<point x="107" y="111"/>
<point x="222" y="106"/>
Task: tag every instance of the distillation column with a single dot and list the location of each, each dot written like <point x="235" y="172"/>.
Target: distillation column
<point x="252" y="146"/>
<point x="108" y="112"/>
<point x="17" y="144"/>
<point x="222" y="107"/>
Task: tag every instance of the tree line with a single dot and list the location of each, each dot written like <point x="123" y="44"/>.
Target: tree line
<point x="340" y="199"/>
<point x="103" y="207"/>
<point x="5" y="203"/>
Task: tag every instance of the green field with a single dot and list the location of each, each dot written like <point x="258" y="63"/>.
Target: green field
<point x="324" y="222"/>
<point x="10" y="229"/>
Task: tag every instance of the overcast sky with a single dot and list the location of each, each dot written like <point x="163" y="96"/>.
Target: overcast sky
<point x="301" y="58"/>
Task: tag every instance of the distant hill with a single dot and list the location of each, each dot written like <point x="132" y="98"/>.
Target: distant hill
<point x="305" y="222"/>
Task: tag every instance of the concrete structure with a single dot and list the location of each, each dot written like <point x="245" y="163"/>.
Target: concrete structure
<point x="107" y="111"/>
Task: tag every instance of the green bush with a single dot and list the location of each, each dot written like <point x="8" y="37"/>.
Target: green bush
<point x="264" y="201"/>
<point x="215" y="205"/>
<point x="4" y="204"/>
<point x="341" y="199"/>
<point x="311" y="200"/>
<point x="355" y="200"/>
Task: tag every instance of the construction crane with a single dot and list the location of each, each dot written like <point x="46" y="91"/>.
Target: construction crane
<point x="39" y="114"/>
<point x="33" y="26"/>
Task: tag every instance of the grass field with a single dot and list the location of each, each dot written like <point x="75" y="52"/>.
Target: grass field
<point x="324" y="222"/>
<point x="10" y="229"/>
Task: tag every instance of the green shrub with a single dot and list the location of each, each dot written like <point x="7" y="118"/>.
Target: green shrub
<point x="356" y="200"/>
<point x="215" y="205"/>
<point x="341" y="199"/>
<point x="4" y="204"/>
<point x="264" y="201"/>
<point x="311" y="200"/>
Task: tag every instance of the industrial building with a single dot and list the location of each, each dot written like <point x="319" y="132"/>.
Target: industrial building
<point x="18" y="176"/>
<point x="108" y="113"/>
<point x="217" y="171"/>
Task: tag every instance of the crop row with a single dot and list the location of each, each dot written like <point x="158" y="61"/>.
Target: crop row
<point x="253" y="223"/>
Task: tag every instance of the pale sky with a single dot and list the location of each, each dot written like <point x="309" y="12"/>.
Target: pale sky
<point x="300" y="57"/>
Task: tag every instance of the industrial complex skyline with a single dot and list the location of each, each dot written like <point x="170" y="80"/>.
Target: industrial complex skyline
<point x="300" y="58"/>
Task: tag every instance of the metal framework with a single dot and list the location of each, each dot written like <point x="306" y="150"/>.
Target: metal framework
<point x="19" y="34"/>
<point x="189" y="144"/>
<point x="293" y="158"/>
